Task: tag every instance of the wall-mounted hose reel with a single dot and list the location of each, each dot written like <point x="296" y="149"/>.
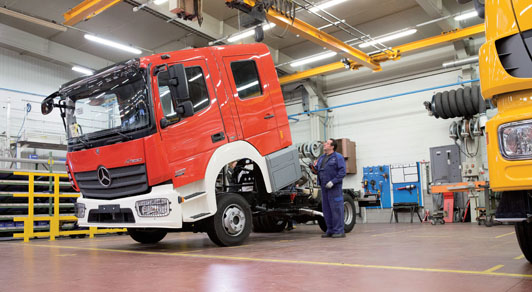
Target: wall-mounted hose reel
<point x="311" y="150"/>
<point x="460" y="130"/>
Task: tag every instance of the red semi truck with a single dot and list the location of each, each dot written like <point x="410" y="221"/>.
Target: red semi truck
<point x="149" y="141"/>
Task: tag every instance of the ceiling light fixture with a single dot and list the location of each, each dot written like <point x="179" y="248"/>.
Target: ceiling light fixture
<point x="388" y="38"/>
<point x="82" y="70"/>
<point x="113" y="44"/>
<point x="32" y="19"/>
<point x="327" y="4"/>
<point x="248" y="33"/>
<point x="466" y="15"/>
<point x="312" y="59"/>
<point x="159" y="2"/>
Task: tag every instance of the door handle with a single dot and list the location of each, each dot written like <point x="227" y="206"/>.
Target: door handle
<point x="269" y="117"/>
<point x="217" y="137"/>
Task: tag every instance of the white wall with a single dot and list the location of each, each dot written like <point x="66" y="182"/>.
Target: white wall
<point x="389" y="131"/>
<point x="34" y="79"/>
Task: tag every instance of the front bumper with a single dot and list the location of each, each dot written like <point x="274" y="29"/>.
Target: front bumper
<point x="173" y="220"/>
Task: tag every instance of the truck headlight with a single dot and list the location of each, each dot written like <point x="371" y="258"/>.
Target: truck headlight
<point x="153" y="207"/>
<point x="79" y="210"/>
<point x="515" y="140"/>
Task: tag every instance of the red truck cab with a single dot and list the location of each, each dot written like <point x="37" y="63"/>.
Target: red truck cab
<point x="148" y="138"/>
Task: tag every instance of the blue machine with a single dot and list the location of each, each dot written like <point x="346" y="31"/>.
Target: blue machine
<point x="396" y="183"/>
<point x="376" y="181"/>
<point x="406" y="183"/>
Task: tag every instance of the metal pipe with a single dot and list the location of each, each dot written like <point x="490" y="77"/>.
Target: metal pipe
<point x="310" y="212"/>
<point x="23" y="160"/>
<point x="461" y="62"/>
<point x="8" y="126"/>
<point x="384" y="97"/>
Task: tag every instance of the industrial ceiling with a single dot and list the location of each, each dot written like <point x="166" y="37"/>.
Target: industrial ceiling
<point x="152" y="30"/>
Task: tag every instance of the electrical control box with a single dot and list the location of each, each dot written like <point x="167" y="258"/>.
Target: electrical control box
<point x="470" y="169"/>
<point x="445" y="164"/>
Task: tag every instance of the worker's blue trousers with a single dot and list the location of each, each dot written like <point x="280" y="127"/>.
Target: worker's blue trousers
<point x="332" y="202"/>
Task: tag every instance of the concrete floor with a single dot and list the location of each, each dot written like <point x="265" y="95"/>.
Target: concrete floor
<point x="374" y="257"/>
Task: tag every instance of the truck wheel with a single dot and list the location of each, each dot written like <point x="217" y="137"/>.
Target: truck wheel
<point x="257" y="223"/>
<point x="147" y="235"/>
<point x="523" y="230"/>
<point x="232" y="222"/>
<point x="321" y="223"/>
<point x="272" y="223"/>
<point x="349" y="215"/>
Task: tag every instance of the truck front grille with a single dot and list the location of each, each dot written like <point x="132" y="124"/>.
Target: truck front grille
<point x="125" y="181"/>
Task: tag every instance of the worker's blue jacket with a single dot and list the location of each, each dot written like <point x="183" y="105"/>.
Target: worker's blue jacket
<point x="333" y="170"/>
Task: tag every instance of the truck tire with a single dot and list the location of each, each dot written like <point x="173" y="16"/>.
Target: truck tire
<point x="349" y="216"/>
<point x="147" y="235"/>
<point x="268" y="223"/>
<point x="523" y="230"/>
<point x="231" y="224"/>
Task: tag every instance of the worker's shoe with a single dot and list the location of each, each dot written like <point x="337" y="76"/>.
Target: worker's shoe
<point x="338" y="235"/>
<point x="326" y="235"/>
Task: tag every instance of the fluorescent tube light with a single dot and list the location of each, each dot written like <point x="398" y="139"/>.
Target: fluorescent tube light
<point x="82" y="70"/>
<point x="248" y="33"/>
<point x="388" y="38"/>
<point x="466" y="15"/>
<point x="159" y="2"/>
<point x="312" y="59"/>
<point x="113" y="44"/>
<point x="327" y="4"/>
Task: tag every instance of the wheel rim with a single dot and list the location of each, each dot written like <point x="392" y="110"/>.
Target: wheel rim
<point x="233" y="220"/>
<point x="348" y="213"/>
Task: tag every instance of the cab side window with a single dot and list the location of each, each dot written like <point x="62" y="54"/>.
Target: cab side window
<point x="246" y="79"/>
<point x="198" y="93"/>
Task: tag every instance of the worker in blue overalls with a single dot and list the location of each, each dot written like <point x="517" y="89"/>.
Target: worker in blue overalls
<point x="331" y="171"/>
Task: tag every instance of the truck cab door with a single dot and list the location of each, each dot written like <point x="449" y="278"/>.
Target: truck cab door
<point x="253" y="103"/>
<point x="189" y="142"/>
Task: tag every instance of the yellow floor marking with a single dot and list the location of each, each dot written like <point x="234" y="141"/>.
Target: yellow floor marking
<point x="286" y="240"/>
<point x="265" y="260"/>
<point x="238" y="246"/>
<point x="493" y="269"/>
<point x="509" y="233"/>
<point x="519" y="257"/>
<point x="395" y="232"/>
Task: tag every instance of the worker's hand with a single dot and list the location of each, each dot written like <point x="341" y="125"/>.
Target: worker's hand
<point x="329" y="185"/>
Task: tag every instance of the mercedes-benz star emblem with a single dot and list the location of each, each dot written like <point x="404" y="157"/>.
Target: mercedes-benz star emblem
<point x="104" y="177"/>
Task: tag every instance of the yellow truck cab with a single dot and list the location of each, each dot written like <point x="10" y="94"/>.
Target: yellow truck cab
<point x="505" y="64"/>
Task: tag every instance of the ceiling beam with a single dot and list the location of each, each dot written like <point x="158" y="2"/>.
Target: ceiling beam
<point x="321" y="38"/>
<point x="86" y="10"/>
<point x="24" y="41"/>
<point x="436" y="9"/>
<point x="451" y="36"/>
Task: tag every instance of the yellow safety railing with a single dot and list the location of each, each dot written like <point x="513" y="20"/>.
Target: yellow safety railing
<point x="56" y="218"/>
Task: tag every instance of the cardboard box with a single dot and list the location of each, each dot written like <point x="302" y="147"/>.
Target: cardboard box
<point x="347" y="148"/>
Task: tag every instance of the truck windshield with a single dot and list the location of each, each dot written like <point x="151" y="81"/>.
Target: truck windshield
<point x="108" y="107"/>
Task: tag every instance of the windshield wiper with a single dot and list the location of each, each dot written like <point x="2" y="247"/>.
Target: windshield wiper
<point x="85" y="143"/>
<point x="122" y="134"/>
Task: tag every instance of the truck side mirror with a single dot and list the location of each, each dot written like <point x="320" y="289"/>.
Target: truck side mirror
<point x="47" y="105"/>
<point x="178" y="83"/>
<point x="183" y="110"/>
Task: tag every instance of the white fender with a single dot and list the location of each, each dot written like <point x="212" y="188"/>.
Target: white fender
<point x="224" y="155"/>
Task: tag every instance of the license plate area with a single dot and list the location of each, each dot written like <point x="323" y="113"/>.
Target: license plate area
<point x="109" y="208"/>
